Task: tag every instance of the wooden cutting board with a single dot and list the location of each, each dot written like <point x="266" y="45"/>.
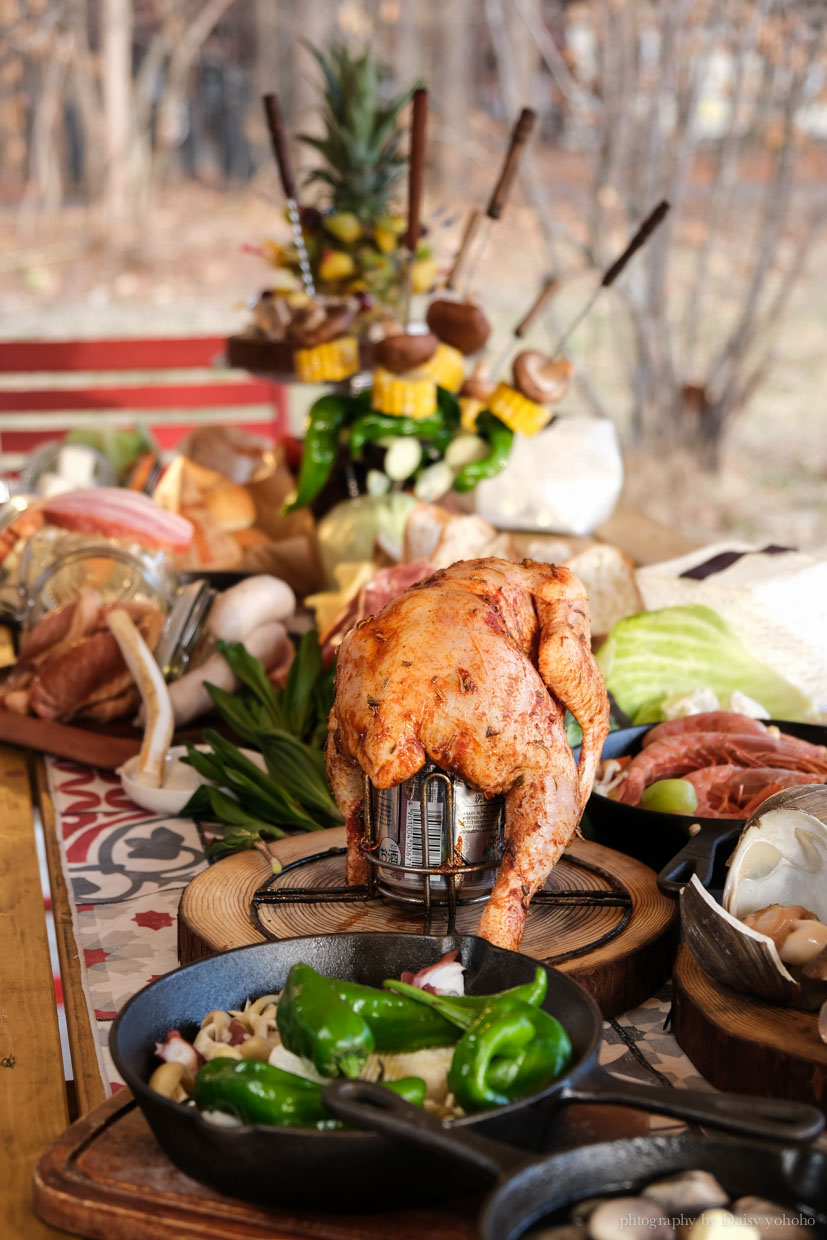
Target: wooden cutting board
<point x="744" y="1044"/>
<point x="106" y="1178"/>
<point x="62" y="740"/>
<point x="622" y="955"/>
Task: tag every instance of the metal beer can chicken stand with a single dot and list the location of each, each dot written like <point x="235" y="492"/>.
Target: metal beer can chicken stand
<point x="432" y="840"/>
<point x="453" y="864"/>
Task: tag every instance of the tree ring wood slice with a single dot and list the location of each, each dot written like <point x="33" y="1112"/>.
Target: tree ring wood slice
<point x="745" y="1044"/>
<point x="214" y="915"/>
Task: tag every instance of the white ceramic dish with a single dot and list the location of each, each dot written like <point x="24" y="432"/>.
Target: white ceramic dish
<point x="180" y="781"/>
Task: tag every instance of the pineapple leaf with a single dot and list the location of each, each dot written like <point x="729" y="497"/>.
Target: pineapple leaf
<point x="333" y="93"/>
<point x="360" y="145"/>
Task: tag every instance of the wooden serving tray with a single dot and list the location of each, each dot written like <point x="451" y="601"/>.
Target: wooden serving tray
<point x="620" y="972"/>
<point x="106" y="1178"/>
<point x="745" y="1044"/>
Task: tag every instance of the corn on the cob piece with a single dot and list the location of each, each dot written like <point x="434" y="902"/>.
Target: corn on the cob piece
<point x="404" y="398"/>
<point x="325" y="363"/>
<point x="520" y="414"/>
<point x="446" y="367"/>
<point x="469" y="410"/>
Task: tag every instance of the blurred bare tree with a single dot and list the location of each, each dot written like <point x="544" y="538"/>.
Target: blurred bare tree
<point x="703" y="104"/>
<point x="716" y="105"/>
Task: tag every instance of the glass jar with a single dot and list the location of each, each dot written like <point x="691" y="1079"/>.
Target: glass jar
<point x="56" y="565"/>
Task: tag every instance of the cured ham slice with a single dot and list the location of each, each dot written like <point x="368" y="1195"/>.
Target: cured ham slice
<point x="115" y="512"/>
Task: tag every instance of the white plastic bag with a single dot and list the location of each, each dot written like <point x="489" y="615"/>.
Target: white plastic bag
<point x="567" y="478"/>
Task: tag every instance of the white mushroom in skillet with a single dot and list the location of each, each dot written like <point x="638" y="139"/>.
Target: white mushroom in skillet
<point x="722" y="1225"/>
<point x="629" y="1218"/>
<point x="688" y="1194"/>
<point x="773" y="1221"/>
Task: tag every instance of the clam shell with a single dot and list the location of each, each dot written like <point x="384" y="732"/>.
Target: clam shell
<point x="730" y="952"/>
<point x="780" y="858"/>
<point x="781" y="855"/>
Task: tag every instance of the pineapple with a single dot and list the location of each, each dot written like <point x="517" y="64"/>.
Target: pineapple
<point x="354" y="238"/>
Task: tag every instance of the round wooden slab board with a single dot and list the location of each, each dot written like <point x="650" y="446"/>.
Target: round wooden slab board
<point x="746" y="1045"/>
<point x="214" y="915"/>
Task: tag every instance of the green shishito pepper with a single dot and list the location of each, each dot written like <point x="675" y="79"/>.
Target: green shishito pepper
<point x="500" y="440"/>
<point x="438" y="428"/>
<point x="321" y="444"/>
<point x="259" y="1093"/>
<point x="463" y="1010"/>
<point x="315" y="1023"/>
<point x="396" y="1022"/>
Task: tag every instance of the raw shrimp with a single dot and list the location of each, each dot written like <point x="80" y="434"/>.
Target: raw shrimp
<point x="736" y="791"/>
<point x="677" y="755"/>
<point x="706" y="721"/>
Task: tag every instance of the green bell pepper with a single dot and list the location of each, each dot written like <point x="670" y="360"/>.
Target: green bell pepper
<point x="259" y="1093"/>
<point x="314" y="1022"/>
<point x="512" y="1049"/>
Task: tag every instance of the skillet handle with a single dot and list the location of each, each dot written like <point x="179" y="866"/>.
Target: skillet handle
<point x="696" y="857"/>
<point x="366" y="1105"/>
<point x="777" y="1119"/>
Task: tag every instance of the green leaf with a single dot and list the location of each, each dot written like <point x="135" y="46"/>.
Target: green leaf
<point x="233" y="839"/>
<point x="198" y="806"/>
<point x="225" y="809"/>
<point x="252" y="673"/>
<point x="204" y="763"/>
<point x="305" y="671"/>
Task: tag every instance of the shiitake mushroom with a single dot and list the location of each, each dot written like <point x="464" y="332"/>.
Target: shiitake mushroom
<point x="458" y="323"/>
<point x="405" y="351"/>
<point x="539" y="378"/>
<point x="318" y="322"/>
<point x="478" y="386"/>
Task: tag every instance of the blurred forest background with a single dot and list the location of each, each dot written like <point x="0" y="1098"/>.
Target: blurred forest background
<point x="137" y="188"/>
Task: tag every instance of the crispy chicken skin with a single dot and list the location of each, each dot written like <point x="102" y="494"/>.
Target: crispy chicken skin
<point x="473" y="669"/>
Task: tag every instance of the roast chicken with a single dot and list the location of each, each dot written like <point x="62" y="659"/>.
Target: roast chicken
<point x="473" y="669"/>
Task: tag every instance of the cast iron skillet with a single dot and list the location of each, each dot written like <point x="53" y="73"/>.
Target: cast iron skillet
<point x="358" y="1168"/>
<point x="529" y="1190"/>
<point x="662" y="840"/>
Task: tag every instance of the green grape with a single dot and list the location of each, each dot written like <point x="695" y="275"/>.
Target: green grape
<point x="670" y="796"/>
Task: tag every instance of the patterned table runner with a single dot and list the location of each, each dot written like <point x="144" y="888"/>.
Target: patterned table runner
<point x="126" y="869"/>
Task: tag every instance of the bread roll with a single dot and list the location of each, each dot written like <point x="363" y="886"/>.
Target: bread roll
<point x="231" y="507"/>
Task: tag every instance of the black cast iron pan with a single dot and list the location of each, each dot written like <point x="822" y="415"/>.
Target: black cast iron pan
<point x="355" y="1169"/>
<point x="532" y="1191"/>
<point x="663" y="840"/>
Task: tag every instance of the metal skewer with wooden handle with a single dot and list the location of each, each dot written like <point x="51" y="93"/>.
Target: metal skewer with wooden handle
<point x="653" y="219"/>
<point x="547" y="291"/>
<point x="416" y="176"/>
<point x="278" y="137"/>
<point x="516" y="147"/>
